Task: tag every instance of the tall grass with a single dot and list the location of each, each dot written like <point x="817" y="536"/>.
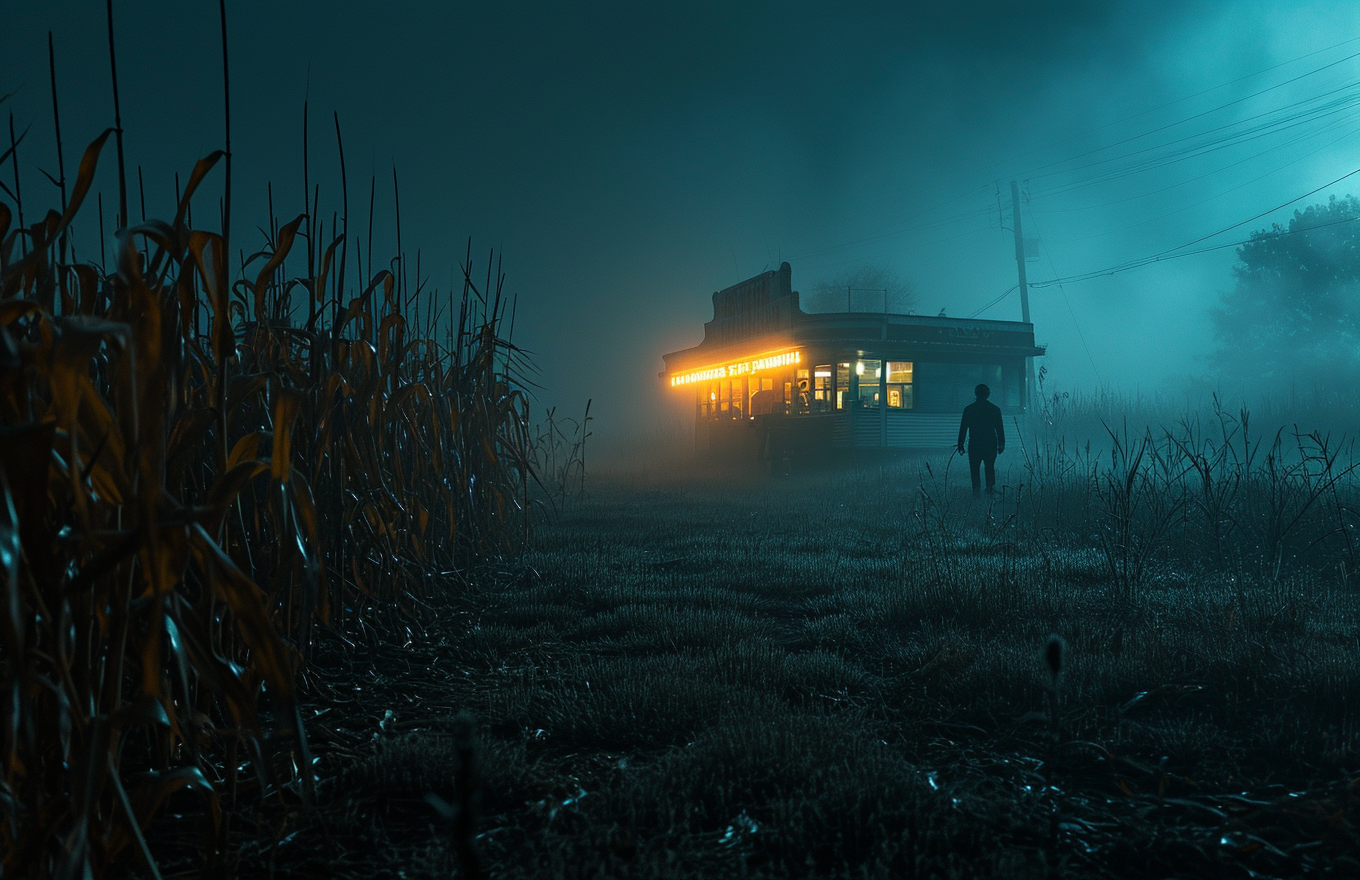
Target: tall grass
<point x="199" y="468"/>
<point x="1202" y="491"/>
<point x="560" y="454"/>
<point x="849" y="670"/>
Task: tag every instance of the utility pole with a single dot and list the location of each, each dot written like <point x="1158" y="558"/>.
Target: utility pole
<point x="1024" y="286"/>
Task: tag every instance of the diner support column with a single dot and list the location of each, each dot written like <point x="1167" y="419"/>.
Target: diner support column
<point x="852" y="407"/>
<point x="883" y="398"/>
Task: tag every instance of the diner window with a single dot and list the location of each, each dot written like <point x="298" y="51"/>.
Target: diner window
<point x="821" y="388"/>
<point x="803" y="400"/>
<point x="869" y="373"/>
<point x="764" y="399"/>
<point x="899" y="384"/>
<point x="842" y="385"/>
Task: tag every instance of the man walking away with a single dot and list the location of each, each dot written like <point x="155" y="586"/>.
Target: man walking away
<point x="986" y="437"/>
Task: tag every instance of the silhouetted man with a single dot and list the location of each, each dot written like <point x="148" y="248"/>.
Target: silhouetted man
<point x="986" y="437"/>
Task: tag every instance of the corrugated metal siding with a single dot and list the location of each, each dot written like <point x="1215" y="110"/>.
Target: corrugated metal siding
<point x="906" y="430"/>
<point x="922" y="430"/>
<point x="866" y="428"/>
<point x="840" y="430"/>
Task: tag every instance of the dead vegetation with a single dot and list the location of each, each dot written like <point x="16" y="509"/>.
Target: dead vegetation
<point x="803" y="676"/>
<point x="240" y="509"/>
<point x="201" y="467"/>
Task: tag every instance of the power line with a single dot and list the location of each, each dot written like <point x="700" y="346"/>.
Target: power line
<point x="1277" y="124"/>
<point x="1192" y="151"/>
<point x="902" y="228"/>
<point x="1032" y="172"/>
<point x="1264" y="213"/>
<point x="1170" y="252"/>
<point x="1012" y="289"/>
<point x="1211" y="198"/>
<point x="1298" y="158"/>
<point x="1166" y="255"/>
<point x="1067" y="302"/>
<point x="1184" y="99"/>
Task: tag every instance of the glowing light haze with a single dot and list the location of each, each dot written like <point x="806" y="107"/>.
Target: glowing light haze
<point x="629" y="159"/>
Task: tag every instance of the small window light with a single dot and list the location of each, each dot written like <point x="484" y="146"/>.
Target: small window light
<point x="859" y="368"/>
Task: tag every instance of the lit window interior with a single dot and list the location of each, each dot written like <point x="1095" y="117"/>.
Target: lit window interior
<point x="869" y="372"/>
<point x="899" y="384"/>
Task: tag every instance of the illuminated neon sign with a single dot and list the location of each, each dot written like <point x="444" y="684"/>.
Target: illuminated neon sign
<point x="738" y="368"/>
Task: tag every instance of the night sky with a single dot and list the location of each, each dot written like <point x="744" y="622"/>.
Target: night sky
<point x="629" y="159"/>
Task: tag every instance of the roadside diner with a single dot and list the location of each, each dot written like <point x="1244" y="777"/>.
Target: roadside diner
<point x="774" y="381"/>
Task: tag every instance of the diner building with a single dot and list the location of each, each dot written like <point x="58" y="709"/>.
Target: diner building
<point x="774" y="381"/>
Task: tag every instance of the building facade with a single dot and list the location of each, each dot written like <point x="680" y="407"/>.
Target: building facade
<point x="775" y="381"/>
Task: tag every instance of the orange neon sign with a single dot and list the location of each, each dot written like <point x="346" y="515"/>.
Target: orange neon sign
<point x="738" y="368"/>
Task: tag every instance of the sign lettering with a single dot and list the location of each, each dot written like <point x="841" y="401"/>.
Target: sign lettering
<point x="738" y="368"/>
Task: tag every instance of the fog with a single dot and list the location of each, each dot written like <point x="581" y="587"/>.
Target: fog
<point x="628" y="161"/>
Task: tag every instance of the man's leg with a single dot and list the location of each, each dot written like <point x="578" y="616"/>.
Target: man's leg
<point x="974" y="463"/>
<point x="991" y="472"/>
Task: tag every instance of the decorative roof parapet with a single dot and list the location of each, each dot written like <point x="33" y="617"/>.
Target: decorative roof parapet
<point x="756" y="307"/>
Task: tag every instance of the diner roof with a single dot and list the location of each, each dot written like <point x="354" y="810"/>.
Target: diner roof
<point x="762" y="314"/>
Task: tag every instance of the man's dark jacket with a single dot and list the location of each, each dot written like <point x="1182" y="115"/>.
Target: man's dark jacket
<point x="982" y="425"/>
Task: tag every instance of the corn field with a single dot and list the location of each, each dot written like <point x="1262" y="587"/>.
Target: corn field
<point x="200" y="468"/>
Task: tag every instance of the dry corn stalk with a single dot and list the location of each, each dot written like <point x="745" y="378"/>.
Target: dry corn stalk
<point x="189" y="484"/>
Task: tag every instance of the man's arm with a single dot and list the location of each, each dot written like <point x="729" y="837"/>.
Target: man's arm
<point x="1000" y="431"/>
<point x="963" y="429"/>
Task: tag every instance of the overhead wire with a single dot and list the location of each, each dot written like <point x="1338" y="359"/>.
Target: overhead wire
<point x="1317" y="115"/>
<point x="1217" y="170"/>
<point x="1012" y="289"/>
<point x="1169" y="255"/>
<point x="1218" y="195"/>
<point x="1255" y="217"/>
<point x="1150" y="163"/>
<point x="1279" y="119"/>
<point x="1275" y="121"/>
<point x="1182" y="100"/>
<point x="1033" y="172"/>
<point x="1063" y="290"/>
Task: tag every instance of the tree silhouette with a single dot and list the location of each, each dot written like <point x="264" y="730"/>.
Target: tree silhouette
<point x="1293" y="314"/>
<point x="864" y="286"/>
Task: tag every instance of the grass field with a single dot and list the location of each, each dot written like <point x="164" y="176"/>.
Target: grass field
<point x="848" y="674"/>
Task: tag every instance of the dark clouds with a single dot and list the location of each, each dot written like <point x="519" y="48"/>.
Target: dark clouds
<point x="631" y="158"/>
